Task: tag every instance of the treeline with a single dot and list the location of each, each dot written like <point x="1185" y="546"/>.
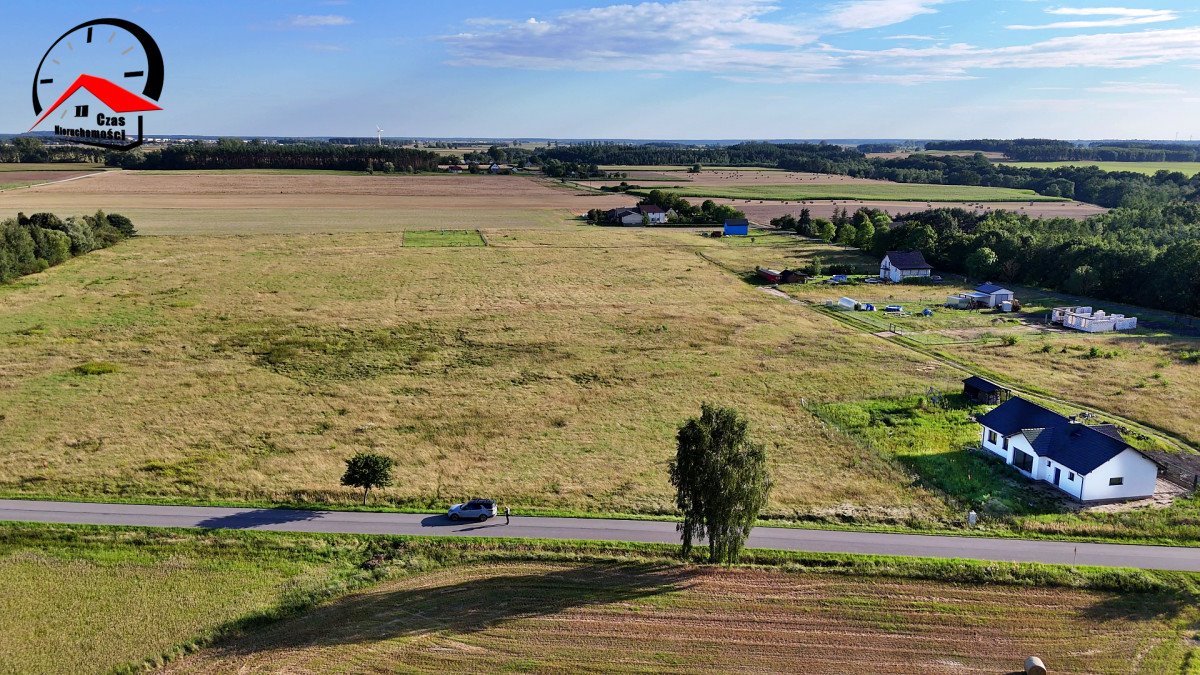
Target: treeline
<point x="1083" y="183"/>
<point x="29" y="245"/>
<point x="743" y="154"/>
<point x="1148" y="256"/>
<point x="30" y="150"/>
<point x="237" y="154"/>
<point x="1045" y="150"/>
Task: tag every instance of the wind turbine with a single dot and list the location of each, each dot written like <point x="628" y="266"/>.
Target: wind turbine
<point x="380" y="133"/>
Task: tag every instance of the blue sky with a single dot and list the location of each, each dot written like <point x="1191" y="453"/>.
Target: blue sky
<point x="678" y="69"/>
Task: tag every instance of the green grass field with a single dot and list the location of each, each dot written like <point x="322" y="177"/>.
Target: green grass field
<point x="911" y="192"/>
<point x="1149" y="168"/>
<point x="88" y="600"/>
<point x="438" y="238"/>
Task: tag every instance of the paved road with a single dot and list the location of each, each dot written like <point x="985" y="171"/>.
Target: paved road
<point x="788" y="539"/>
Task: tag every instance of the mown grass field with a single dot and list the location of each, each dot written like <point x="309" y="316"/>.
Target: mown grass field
<point x="548" y="617"/>
<point x="859" y="191"/>
<point x="1149" y="168"/>
<point x="549" y="370"/>
<point x="7" y="167"/>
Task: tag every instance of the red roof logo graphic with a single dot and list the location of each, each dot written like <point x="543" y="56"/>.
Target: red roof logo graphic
<point x="117" y="99"/>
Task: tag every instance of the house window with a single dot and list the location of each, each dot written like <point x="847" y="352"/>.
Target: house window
<point x="1070" y="475"/>
<point x="992" y="437"/>
<point x="1006" y="442"/>
<point x="1023" y="461"/>
<point x="1119" y="480"/>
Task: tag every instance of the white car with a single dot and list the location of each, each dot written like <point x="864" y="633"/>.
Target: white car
<point x="476" y="509"/>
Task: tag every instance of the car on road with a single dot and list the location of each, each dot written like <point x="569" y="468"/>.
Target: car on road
<point x="476" y="509"/>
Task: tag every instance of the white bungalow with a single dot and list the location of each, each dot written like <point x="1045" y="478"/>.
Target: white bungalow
<point x="900" y="265"/>
<point x="1089" y="463"/>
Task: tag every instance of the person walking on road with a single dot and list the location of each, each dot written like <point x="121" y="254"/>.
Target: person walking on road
<point x="507" y="515"/>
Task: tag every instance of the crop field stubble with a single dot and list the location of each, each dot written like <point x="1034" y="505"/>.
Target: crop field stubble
<point x="250" y="202"/>
<point x="581" y="618"/>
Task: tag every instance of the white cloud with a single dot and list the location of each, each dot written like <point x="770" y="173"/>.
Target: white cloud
<point x="863" y="14"/>
<point x="316" y="21"/>
<point x="1118" y="16"/>
<point x="1140" y="88"/>
<point x="919" y="38"/>
<point x="742" y="40"/>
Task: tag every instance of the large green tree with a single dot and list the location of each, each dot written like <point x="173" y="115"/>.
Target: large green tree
<point x="721" y="481"/>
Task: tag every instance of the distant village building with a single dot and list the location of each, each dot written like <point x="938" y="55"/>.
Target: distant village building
<point x="634" y="216"/>
<point x="1089" y="463"/>
<point x="454" y="168"/>
<point x="1084" y="319"/>
<point x="900" y="265"/>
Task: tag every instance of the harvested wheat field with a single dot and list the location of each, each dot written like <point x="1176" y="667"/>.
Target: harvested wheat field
<point x="219" y="202"/>
<point x="600" y="618"/>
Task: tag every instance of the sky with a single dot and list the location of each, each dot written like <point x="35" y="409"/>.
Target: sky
<point x="674" y="69"/>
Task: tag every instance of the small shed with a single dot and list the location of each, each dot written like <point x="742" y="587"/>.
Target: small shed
<point x="984" y="391"/>
<point x="769" y="275"/>
<point x="737" y="227"/>
<point x="794" y="277"/>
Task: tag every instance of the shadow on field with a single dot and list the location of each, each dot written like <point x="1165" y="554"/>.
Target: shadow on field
<point x="244" y="520"/>
<point x="456" y="607"/>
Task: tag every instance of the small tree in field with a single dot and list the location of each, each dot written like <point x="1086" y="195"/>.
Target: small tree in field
<point x="721" y="482"/>
<point x="367" y="470"/>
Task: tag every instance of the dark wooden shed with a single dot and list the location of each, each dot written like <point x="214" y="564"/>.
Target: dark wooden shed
<point x="980" y="390"/>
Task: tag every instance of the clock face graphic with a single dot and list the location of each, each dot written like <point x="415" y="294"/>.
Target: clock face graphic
<point x="114" y="60"/>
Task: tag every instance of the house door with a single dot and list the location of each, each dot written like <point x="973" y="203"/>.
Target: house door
<point x="1057" y="475"/>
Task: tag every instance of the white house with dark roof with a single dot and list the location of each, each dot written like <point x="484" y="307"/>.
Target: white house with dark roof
<point x="900" y="265"/>
<point x="1089" y="463"/>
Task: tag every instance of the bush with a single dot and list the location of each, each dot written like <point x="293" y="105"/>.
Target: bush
<point x="96" y="368"/>
<point x="1009" y="340"/>
<point x="29" y="245"/>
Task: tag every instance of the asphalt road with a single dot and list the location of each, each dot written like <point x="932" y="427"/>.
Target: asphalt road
<point x="787" y="539"/>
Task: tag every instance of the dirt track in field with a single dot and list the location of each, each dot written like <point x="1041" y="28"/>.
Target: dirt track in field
<point x="40" y="176"/>
<point x="577" y="618"/>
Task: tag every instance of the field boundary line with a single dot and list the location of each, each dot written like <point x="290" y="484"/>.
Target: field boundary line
<point x="54" y="182"/>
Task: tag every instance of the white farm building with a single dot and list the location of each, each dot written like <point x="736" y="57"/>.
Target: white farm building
<point x="1084" y="319"/>
<point x="1089" y="463"/>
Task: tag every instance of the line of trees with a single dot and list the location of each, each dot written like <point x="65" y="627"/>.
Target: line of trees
<point x="1147" y="256"/>
<point x="31" y="150"/>
<point x="1086" y="183"/>
<point x="29" y="245"/>
<point x="236" y="154"/>
<point x="1045" y="150"/>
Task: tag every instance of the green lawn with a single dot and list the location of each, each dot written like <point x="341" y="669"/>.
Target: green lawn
<point x="438" y="238"/>
<point x="83" y="166"/>
<point x="911" y="192"/>
<point x="89" y="600"/>
<point x="1149" y="168"/>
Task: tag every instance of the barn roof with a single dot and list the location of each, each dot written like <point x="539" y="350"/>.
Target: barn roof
<point x="650" y="208"/>
<point x="990" y="288"/>
<point x="979" y="384"/>
<point x="908" y="260"/>
<point x="1078" y="447"/>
